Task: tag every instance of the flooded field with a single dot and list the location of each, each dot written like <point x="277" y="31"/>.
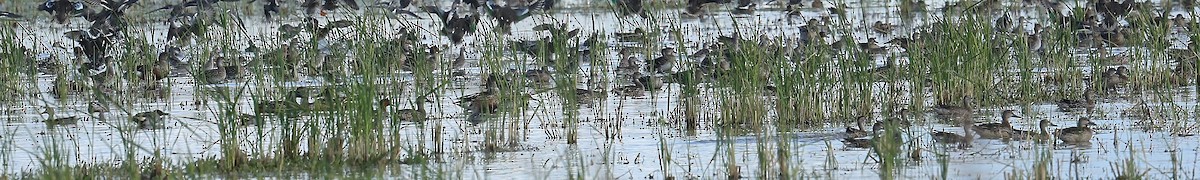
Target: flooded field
<point x="578" y="89"/>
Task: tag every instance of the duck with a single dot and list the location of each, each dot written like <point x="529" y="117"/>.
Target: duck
<point x="1041" y="135"/>
<point x="649" y="82"/>
<point x="10" y="15"/>
<point x="63" y="9"/>
<point x="156" y="71"/>
<point x="963" y="141"/>
<point x="508" y="14"/>
<point x="629" y="63"/>
<point x="1002" y="130"/>
<point x="244" y="120"/>
<point x="53" y="120"/>
<point x="1115" y="77"/>
<point x="882" y="27"/>
<point x="962" y="111"/>
<point x="744" y="7"/>
<point x="1085" y="102"/>
<point x="630" y="91"/>
<point x="631" y="7"/>
<point x="455" y="25"/>
<point x="1078" y="135"/>
<point x="408" y="115"/>
<point x="214" y="72"/>
<point x="859" y="132"/>
<point x="862" y="142"/>
<point x="149" y="120"/>
<point x="900" y="120"/>
<point x="664" y="63"/>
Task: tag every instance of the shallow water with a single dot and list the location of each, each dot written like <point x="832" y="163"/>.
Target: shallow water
<point x="538" y="150"/>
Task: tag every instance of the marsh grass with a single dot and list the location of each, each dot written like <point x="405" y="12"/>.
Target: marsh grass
<point x="816" y="87"/>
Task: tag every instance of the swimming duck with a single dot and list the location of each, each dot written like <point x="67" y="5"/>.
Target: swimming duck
<point x="214" y="72"/>
<point x="960" y="111"/>
<point x="53" y="120"/>
<point x="1041" y="135"/>
<point x="862" y="142"/>
<point x="882" y="27"/>
<point x="149" y="119"/>
<point x="631" y="7"/>
<point x="1080" y="134"/>
<point x="1002" y="130"/>
<point x="859" y="132"/>
<point x="963" y="141"/>
<point x="1085" y="102"/>
<point x="664" y="63"/>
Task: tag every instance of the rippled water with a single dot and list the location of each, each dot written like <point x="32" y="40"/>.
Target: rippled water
<point x="541" y="152"/>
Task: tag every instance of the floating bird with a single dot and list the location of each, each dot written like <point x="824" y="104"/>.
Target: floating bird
<point x="149" y="120"/>
<point x="53" y="120"/>
<point x="1081" y="134"/>
<point x="1041" y="135"/>
<point x="1085" y="102"/>
<point x="214" y="71"/>
<point x="882" y="27"/>
<point x="630" y="7"/>
<point x="664" y="63"/>
<point x="859" y="132"/>
<point x="960" y="111"/>
<point x="1002" y="130"/>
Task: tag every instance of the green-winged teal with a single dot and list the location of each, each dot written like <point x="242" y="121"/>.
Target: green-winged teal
<point x="1004" y="23"/>
<point x="1080" y="134"/>
<point x="629" y="62"/>
<point x="649" y="82"/>
<point x="1085" y="102"/>
<point x="1002" y="130"/>
<point x="149" y="119"/>
<point x="409" y="115"/>
<point x="214" y="72"/>
<point x="664" y="63"/>
<point x="10" y="15"/>
<point x="157" y="70"/>
<point x="631" y="91"/>
<point x="63" y="9"/>
<point x="1115" y="77"/>
<point x="852" y="132"/>
<point x="54" y="120"/>
<point x="862" y="142"/>
<point x="455" y="25"/>
<point x="631" y="7"/>
<point x="744" y="7"/>
<point x="956" y="111"/>
<point x="882" y="27"/>
<point x="508" y="13"/>
<point x="963" y="141"/>
<point x="1041" y="135"/>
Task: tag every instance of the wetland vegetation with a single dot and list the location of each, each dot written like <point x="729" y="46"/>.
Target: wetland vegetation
<point x="599" y="89"/>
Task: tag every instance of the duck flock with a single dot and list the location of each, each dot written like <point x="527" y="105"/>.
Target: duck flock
<point x="1101" y="24"/>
